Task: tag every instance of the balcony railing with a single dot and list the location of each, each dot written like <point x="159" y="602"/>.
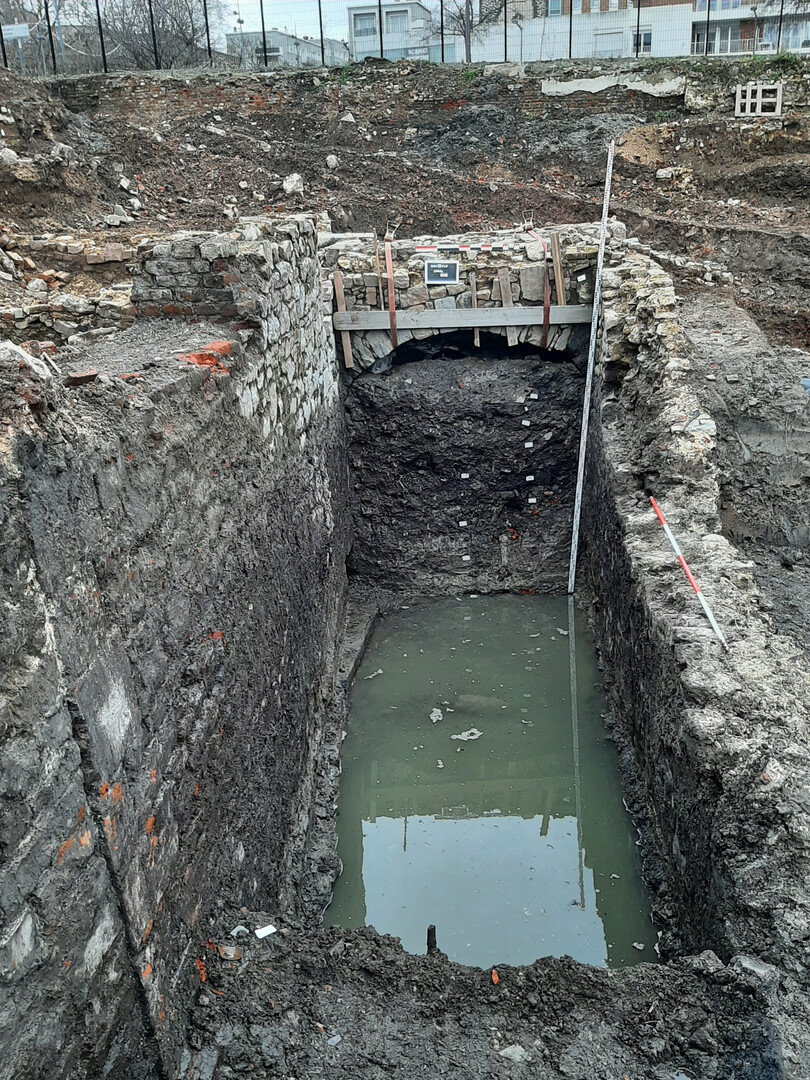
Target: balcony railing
<point x="743" y="46"/>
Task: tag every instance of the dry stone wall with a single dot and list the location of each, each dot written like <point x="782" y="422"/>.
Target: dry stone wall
<point x="527" y="262"/>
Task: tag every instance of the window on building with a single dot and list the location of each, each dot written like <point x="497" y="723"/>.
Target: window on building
<point x="607" y="43"/>
<point x="577" y="7"/>
<point x="365" y="25"/>
<point x="555" y="7"/>
<point x="613" y="5"/>
<point x="642" y="43"/>
<point x="396" y="22"/>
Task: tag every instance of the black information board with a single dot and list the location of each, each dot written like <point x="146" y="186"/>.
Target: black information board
<point x="441" y="273"/>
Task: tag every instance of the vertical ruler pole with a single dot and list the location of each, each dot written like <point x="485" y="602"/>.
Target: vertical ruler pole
<point x="586" y="407"/>
<point x="572" y="671"/>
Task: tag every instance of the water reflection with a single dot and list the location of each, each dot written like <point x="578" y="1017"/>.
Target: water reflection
<point x="513" y="840"/>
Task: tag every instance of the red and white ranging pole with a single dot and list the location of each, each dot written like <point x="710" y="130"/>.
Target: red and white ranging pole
<point x="689" y="575"/>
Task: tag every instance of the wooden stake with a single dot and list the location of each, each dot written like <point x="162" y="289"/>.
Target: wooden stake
<point x="345" y="338"/>
<point x="506" y="301"/>
<point x="392" y="302"/>
<point x="474" y="301"/>
<point x="559" y="277"/>
<point x="379" y="273"/>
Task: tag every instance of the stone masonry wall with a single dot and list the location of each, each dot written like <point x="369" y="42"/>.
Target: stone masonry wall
<point x="718" y="737"/>
<point x="526" y="262"/>
<point x="173" y="546"/>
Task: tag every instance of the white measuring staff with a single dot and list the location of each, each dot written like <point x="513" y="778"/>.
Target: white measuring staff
<point x="689" y="575"/>
<point x="586" y="408"/>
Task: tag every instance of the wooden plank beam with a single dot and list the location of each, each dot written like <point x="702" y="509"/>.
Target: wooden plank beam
<point x="559" y="276"/>
<point x="392" y="303"/>
<point x="344" y="334"/>
<point x="474" y="302"/>
<point x="463" y="318"/>
<point x="506" y="302"/>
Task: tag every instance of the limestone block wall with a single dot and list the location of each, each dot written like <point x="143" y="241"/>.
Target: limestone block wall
<point x="173" y="549"/>
<point x="526" y="264"/>
<point x="263" y="280"/>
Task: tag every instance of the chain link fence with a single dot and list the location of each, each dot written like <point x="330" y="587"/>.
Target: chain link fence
<point x="42" y="37"/>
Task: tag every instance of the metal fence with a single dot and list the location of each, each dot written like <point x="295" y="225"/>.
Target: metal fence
<point x="40" y="37"/>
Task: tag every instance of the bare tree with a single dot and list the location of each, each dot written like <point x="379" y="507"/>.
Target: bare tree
<point x="465" y="18"/>
<point x="179" y="32"/>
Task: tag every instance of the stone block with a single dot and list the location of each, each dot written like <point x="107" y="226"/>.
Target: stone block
<point x="532" y="281"/>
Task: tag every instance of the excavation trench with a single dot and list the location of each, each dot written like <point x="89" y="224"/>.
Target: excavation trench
<point x="195" y="559"/>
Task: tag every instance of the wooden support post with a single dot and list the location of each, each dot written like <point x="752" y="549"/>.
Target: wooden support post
<point x="345" y="337"/>
<point x="559" y="277"/>
<point x="380" y="295"/>
<point x="506" y="301"/>
<point x="392" y="302"/>
<point x="474" y="302"/>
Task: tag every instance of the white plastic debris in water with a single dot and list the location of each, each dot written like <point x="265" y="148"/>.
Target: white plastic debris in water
<point x="560" y="631"/>
<point x="638" y="945"/>
<point x="435" y="715"/>
<point x="374" y="674"/>
<point x="465" y="558"/>
<point x="264" y="931"/>
<point x="515" y="1053"/>
<point x="468" y="736"/>
<point x="333" y="1041"/>
<point x="439" y="763"/>
<point x="237" y="930"/>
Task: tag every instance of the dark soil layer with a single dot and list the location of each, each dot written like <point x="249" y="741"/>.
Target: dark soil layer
<point x="272" y="1014"/>
<point x="439" y="442"/>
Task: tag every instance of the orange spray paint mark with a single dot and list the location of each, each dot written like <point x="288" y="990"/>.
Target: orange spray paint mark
<point x="147" y="971"/>
<point x="200" y="966"/>
<point x="152" y="775"/>
<point x="68" y="844"/>
<point x="84" y="839"/>
<point x="104" y="790"/>
<point x="146" y="932"/>
<point x="196" y="790"/>
<point x="116" y="793"/>
<point x="150" y="824"/>
<point x="495" y="979"/>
